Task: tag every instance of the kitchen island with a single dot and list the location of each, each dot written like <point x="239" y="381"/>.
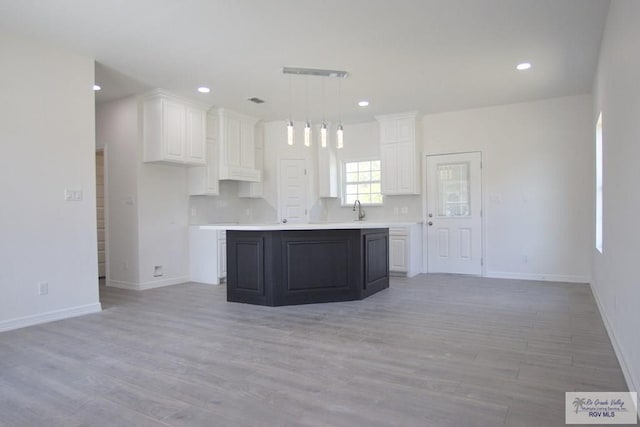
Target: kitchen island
<point x="286" y="264"/>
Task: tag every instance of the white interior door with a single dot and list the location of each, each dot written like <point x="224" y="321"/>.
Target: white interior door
<point x="454" y="223"/>
<point x="293" y="191"/>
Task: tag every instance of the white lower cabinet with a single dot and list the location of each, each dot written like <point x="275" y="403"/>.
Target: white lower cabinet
<point x="222" y="255"/>
<point x="208" y="255"/>
<point x="405" y="250"/>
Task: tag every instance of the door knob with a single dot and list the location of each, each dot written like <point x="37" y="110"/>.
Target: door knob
<point x="284" y="221"/>
<point x="430" y="223"/>
<point x="430" y="215"/>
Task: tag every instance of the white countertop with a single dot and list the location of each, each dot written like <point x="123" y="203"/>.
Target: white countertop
<point x="312" y="226"/>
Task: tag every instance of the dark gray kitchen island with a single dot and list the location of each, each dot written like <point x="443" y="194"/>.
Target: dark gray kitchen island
<point x="284" y="264"/>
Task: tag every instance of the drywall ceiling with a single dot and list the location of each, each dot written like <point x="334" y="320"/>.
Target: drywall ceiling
<point x="426" y="55"/>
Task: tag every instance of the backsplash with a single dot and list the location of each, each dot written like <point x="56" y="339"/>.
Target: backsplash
<point x="395" y="209"/>
<point x="229" y="208"/>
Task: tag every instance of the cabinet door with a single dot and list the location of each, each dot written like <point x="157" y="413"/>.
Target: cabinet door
<point x="222" y="258"/>
<point x="388" y="131"/>
<point x="173" y="130"/>
<point x="196" y="134"/>
<point x="405" y="168"/>
<point x="232" y="141"/>
<point x="389" y="167"/>
<point x="212" y="184"/>
<point x="405" y="129"/>
<point x="398" y="256"/>
<point x="247" y="145"/>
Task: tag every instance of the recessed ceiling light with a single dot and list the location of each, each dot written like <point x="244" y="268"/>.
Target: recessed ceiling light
<point x="523" y="66"/>
<point x="363" y="103"/>
<point x="96" y="87"/>
<point x="204" y="89"/>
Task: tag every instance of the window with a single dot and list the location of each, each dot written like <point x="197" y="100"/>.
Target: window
<point x="599" y="166"/>
<point x="362" y="182"/>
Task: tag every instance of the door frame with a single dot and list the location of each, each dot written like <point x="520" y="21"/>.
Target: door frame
<point x="425" y="210"/>
<point x="306" y="189"/>
<point x="105" y="178"/>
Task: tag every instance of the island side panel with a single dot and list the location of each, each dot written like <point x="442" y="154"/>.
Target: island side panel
<point x="317" y="266"/>
<point x="375" y="256"/>
<point x="248" y="267"/>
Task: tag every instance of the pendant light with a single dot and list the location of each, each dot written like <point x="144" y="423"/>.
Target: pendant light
<point x="307" y="125"/>
<point x="323" y="127"/>
<point x="340" y="131"/>
<point x="290" y="121"/>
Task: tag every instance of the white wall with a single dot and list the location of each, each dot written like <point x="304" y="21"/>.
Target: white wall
<point x="147" y="209"/>
<point x="537" y="170"/>
<point x="48" y="145"/>
<point x="615" y="271"/>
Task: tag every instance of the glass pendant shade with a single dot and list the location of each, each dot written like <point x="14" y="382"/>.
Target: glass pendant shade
<point x="323" y="135"/>
<point x="340" y="136"/>
<point x="290" y="132"/>
<point x="307" y="134"/>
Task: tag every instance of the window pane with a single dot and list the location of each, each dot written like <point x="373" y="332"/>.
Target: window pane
<point x="364" y="176"/>
<point x="352" y="189"/>
<point x="364" y="166"/>
<point x="364" y="188"/>
<point x="375" y="176"/>
<point x="376" y="198"/>
<point x="352" y="167"/>
<point x="351" y="198"/>
<point x="352" y="177"/>
<point x="365" y="198"/>
<point x="453" y="189"/>
<point x="375" y="188"/>
<point x="375" y="165"/>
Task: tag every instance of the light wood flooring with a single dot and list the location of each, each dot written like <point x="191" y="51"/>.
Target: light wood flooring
<point x="436" y="350"/>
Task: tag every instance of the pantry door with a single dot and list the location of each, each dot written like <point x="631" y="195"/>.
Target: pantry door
<point x="292" y="193"/>
<point x="454" y="209"/>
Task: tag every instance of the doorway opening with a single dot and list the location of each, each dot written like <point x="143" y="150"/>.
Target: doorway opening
<point x="101" y="215"/>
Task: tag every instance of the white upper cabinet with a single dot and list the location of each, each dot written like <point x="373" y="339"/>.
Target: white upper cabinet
<point x="400" y="154"/>
<point x="236" y="147"/>
<point x="173" y="130"/>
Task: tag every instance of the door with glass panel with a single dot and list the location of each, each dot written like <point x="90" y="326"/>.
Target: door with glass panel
<point x="454" y="223"/>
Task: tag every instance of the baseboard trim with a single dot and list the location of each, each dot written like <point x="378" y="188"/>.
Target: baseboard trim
<point x="147" y="285"/>
<point x="539" y="277"/>
<point x="51" y="316"/>
<point x="628" y="375"/>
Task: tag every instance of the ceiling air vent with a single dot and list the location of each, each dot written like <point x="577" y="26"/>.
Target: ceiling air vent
<point x="256" y="100"/>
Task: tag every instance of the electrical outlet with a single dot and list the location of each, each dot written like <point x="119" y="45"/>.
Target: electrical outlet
<point x="72" y="195"/>
<point x="193" y="212"/>
<point x="43" y="288"/>
<point x="404" y="210"/>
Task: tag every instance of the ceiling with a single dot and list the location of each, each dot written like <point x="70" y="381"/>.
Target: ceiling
<point x="402" y="55"/>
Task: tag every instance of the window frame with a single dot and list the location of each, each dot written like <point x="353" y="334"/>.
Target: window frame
<point x="343" y="181"/>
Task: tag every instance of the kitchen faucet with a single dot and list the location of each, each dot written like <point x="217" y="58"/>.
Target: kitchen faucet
<point x="361" y="213"/>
